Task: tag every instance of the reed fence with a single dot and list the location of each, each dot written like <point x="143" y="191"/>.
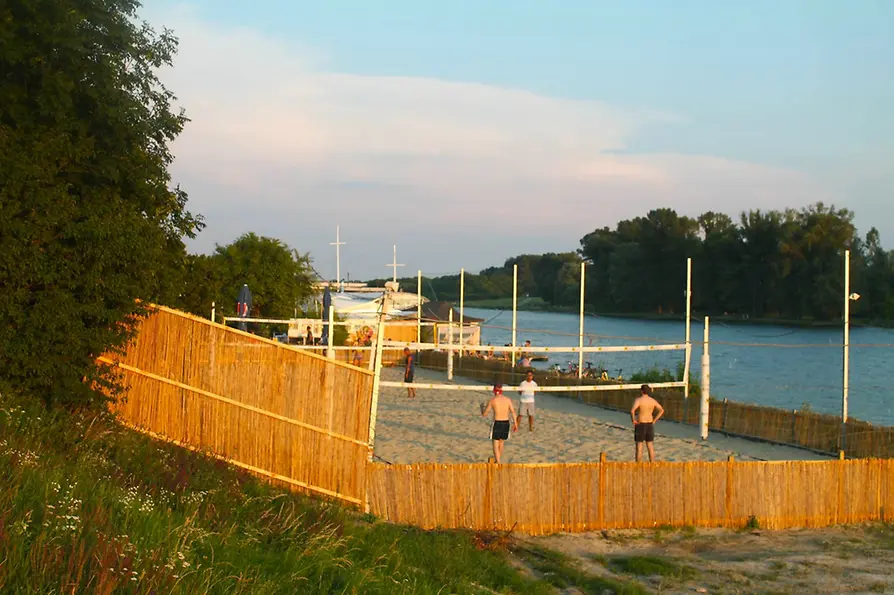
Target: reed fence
<point x="298" y="418"/>
<point x="545" y="499"/>
<point x="804" y="429"/>
<point x="286" y="414"/>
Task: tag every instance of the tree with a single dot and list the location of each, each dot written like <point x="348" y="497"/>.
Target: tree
<point x="279" y="277"/>
<point x="88" y="221"/>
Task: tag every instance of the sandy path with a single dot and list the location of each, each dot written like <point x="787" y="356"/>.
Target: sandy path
<point x="445" y="426"/>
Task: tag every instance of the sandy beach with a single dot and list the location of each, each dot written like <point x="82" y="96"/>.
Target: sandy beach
<point x="446" y="426"/>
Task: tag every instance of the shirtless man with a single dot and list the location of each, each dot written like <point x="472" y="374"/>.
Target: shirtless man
<point x="504" y="415"/>
<point x="644" y="423"/>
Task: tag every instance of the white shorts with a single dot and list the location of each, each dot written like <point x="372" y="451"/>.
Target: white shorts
<point x="526" y="409"/>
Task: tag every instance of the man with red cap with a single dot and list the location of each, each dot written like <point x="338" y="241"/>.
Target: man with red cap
<point x="504" y="416"/>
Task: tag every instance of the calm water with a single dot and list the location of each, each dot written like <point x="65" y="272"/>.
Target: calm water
<point x="778" y="376"/>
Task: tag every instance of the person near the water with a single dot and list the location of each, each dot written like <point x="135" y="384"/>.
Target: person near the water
<point x="644" y="413"/>
<point x="504" y="417"/>
<point x="526" y="389"/>
<point x="410" y="371"/>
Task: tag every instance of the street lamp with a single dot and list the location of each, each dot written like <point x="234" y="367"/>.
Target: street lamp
<point x="848" y="298"/>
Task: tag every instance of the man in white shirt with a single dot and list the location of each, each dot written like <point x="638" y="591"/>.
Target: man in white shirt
<point x="526" y="403"/>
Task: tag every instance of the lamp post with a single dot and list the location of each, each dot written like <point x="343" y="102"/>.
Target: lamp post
<point x="848" y="298"/>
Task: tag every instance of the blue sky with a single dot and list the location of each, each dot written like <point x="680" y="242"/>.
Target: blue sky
<point x="467" y="132"/>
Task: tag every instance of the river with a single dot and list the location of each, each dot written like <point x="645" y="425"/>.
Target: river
<point x="766" y="365"/>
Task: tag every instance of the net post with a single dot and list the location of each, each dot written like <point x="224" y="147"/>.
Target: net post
<point x="704" y="413"/>
<point x="450" y="345"/>
<point x="514" y="310"/>
<point x="580" y="356"/>
<point x="462" y="302"/>
<point x="376" y="385"/>
<point x="419" y="307"/>
<point x="688" y="356"/>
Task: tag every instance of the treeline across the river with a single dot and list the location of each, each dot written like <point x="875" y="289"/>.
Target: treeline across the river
<point x="785" y="265"/>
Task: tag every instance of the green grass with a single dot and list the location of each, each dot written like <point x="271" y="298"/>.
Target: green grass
<point x="652" y="566"/>
<point x="87" y="506"/>
<point x="561" y="572"/>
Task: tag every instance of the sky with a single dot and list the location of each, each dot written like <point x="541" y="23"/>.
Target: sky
<point x="467" y="132"/>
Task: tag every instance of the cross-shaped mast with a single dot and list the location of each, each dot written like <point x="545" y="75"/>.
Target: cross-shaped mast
<point x="338" y="244"/>
<point x="393" y="266"/>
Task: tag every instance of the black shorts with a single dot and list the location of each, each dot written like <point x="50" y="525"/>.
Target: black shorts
<point x="644" y="432"/>
<point x="408" y="377"/>
<point x="500" y="430"/>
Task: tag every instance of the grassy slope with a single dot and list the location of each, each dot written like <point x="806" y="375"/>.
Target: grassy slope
<point x="89" y="506"/>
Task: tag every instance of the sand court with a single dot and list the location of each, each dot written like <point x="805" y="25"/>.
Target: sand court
<point x="445" y="426"/>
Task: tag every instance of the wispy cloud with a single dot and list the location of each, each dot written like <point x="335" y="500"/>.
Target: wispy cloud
<point x="279" y="145"/>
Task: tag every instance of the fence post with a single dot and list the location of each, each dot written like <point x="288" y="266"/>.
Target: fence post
<point x="330" y="339"/>
<point x="730" y="463"/>
<point x="704" y="412"/>
<point x="725" y="409"/>
<point x="840" y="513"/>
<point x="213" y="312"/>
<point x="450" y="344"/>
<point x="794" y="426"/>
<point x="601" y="508"/>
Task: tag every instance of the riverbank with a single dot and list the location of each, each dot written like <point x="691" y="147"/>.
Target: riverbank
<point x="536" y="304"/>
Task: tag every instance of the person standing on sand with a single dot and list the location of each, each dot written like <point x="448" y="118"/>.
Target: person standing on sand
<point x="526" y="402"/>
<point x="503" y="413"/>
<point x="410" y="371"/>
<point x="643" y="415"/>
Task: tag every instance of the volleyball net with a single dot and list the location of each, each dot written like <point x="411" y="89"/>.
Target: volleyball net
<point x="508" y="365"/>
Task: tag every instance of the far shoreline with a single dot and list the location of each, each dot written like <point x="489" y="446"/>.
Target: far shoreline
<point x="537" y="305"/>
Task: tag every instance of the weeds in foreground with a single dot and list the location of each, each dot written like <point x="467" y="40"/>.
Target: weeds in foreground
<point x="87" y="506"/>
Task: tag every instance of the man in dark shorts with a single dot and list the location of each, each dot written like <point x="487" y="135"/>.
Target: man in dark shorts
<point x="644" y="413"/>
<point x="504" y="417"/>
<point x="410" y="371"/>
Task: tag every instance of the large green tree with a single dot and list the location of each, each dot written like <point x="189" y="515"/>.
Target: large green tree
<point x="279" y="277"/>
<point x="88" y="220"/>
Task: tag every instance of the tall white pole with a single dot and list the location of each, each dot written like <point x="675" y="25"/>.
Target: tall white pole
<point x="338" y="244"/>
<point x="688" y="357"/>
<point x="330" y="340"/>
<point x="704" y="411"/>
<point x="450" y="344"/>
<point x="213" y="312"/>
<point x="419" y="308"/>
<point x="462" y="303"/>
<point x="514" y="308"/>
<point x="847" y="336"/>
<point x="580" y="358"/>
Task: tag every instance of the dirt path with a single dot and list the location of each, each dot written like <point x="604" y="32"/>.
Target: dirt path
<point x="854" y="559"/>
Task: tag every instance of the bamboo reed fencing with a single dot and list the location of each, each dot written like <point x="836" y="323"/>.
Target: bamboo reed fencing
<point x="283" y="413"/>
<point x="298" y="418"/>
<point x="804" y="429"/>
<point x="544" y="499"/>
